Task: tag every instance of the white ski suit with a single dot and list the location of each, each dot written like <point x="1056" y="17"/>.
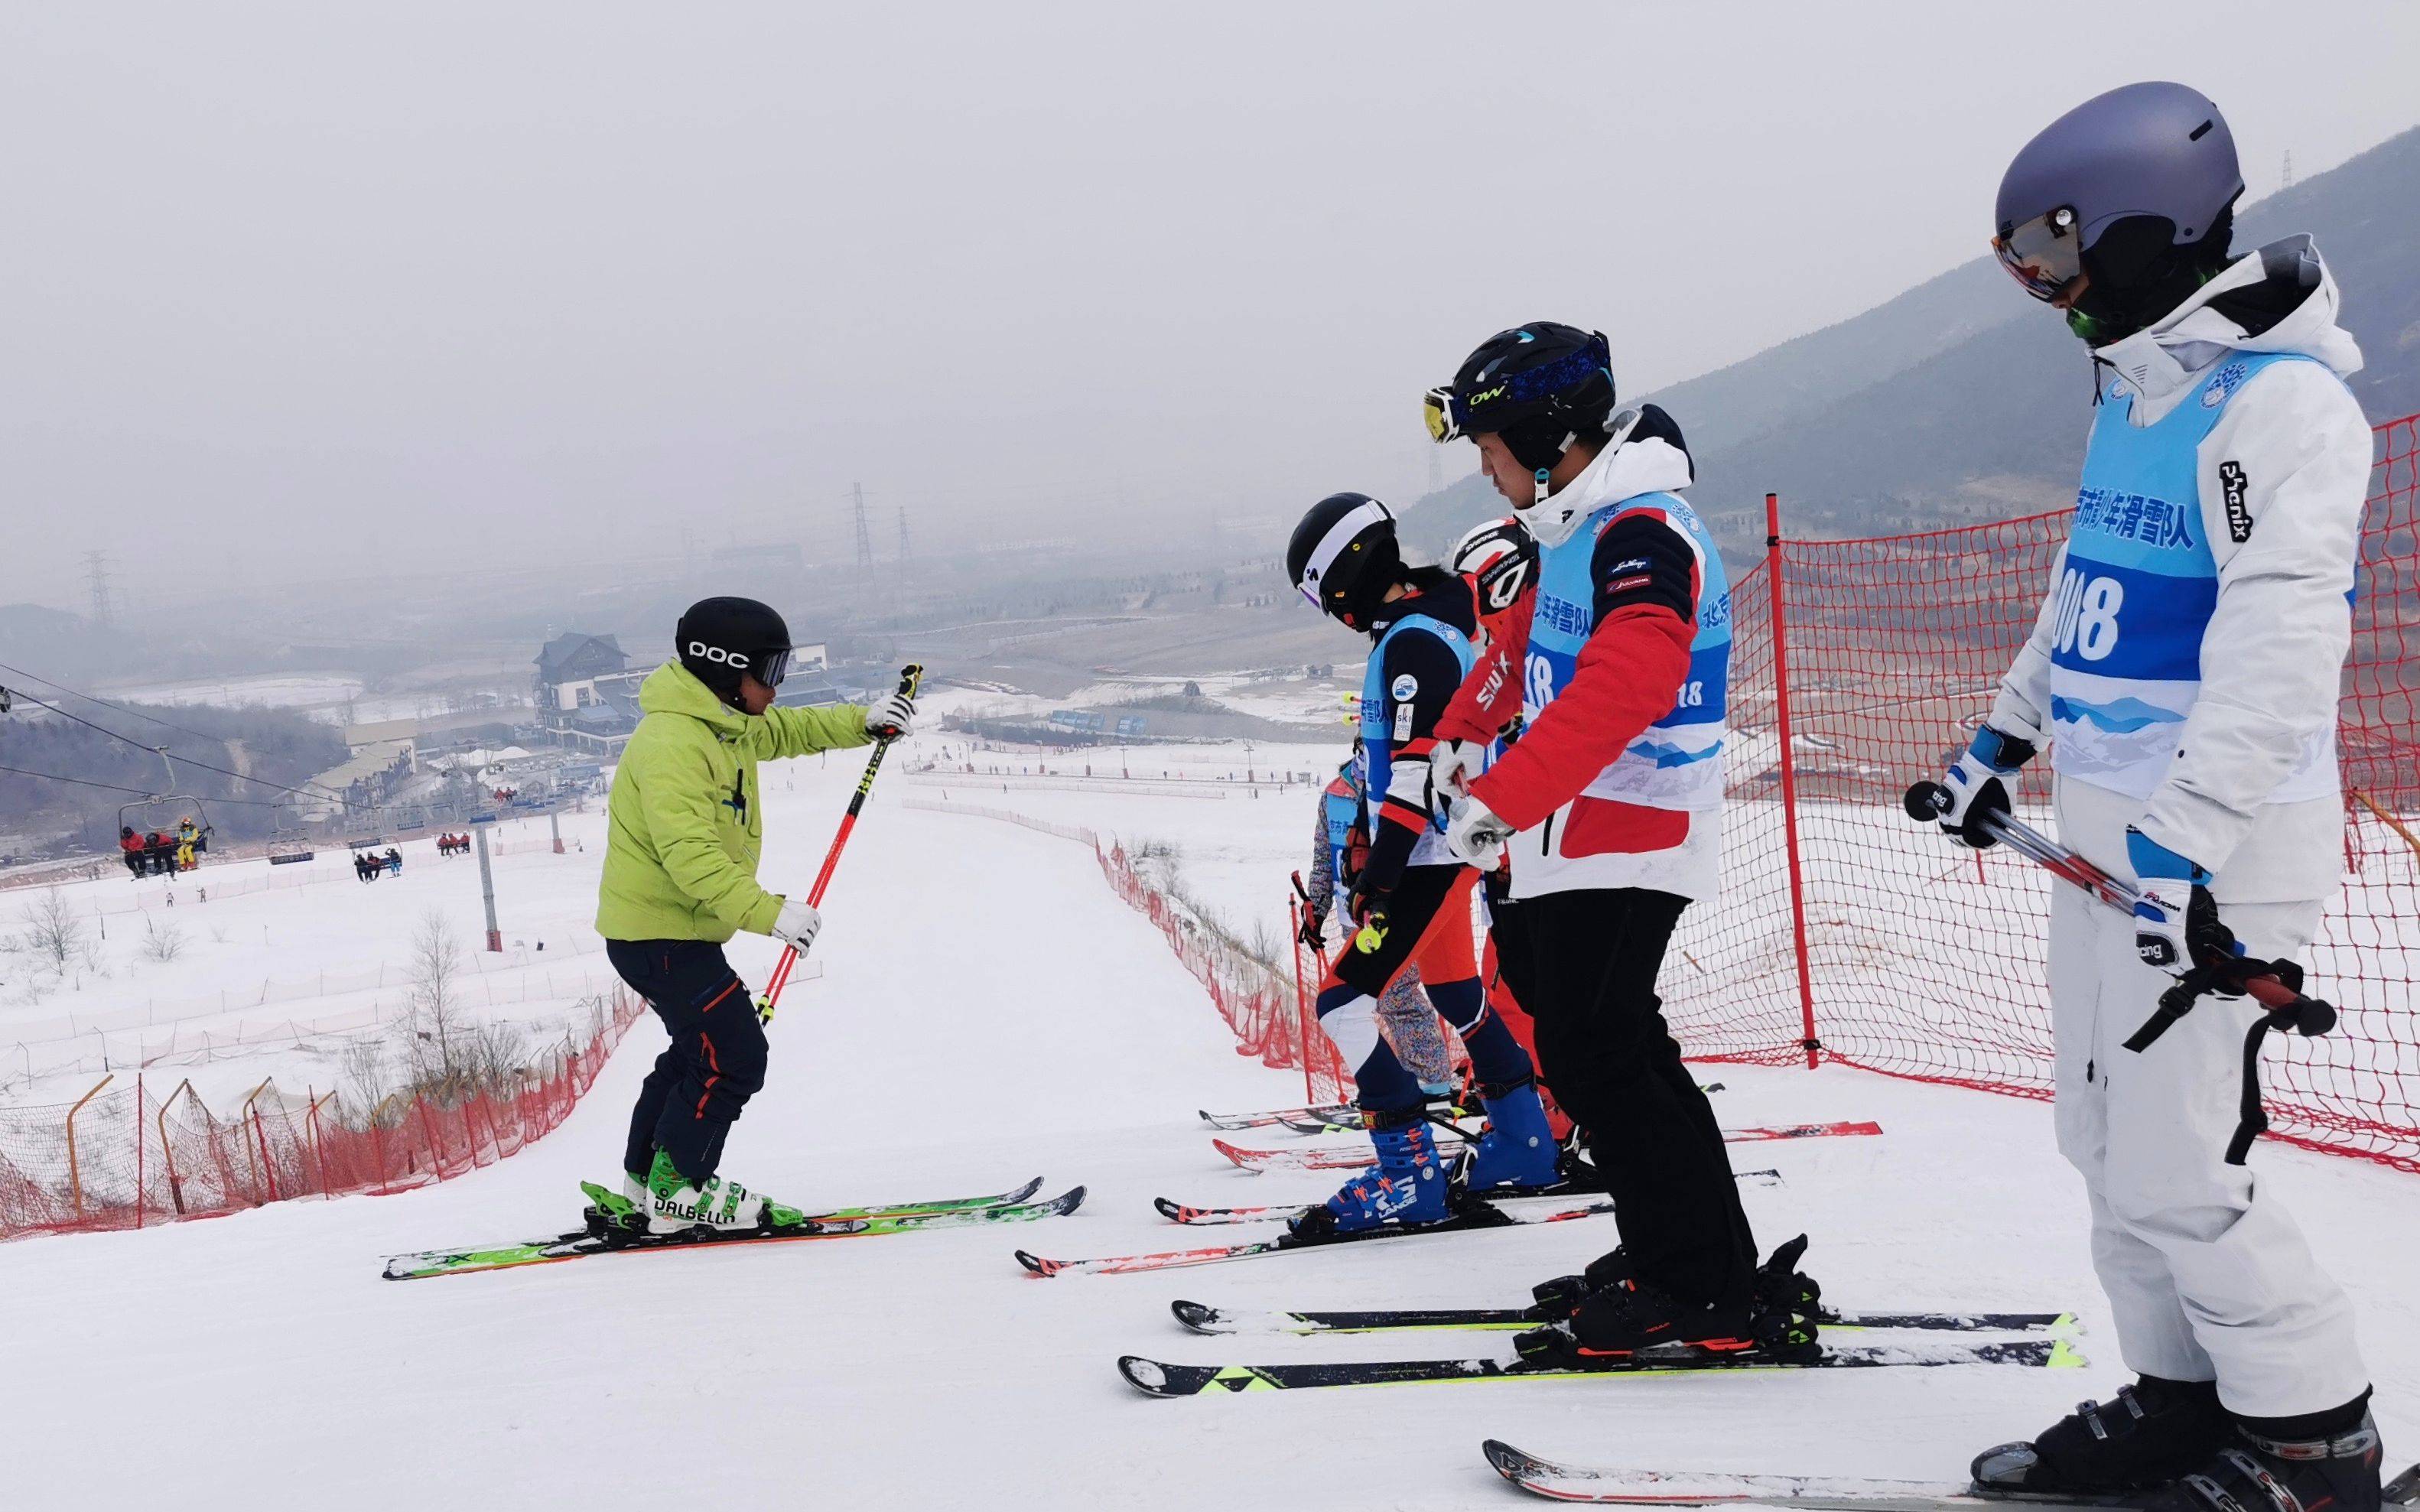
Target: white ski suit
<point x="2184" y="669"/>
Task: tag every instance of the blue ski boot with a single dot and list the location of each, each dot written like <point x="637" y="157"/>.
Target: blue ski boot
<point x="1518" y="1149"/>
<point x="1406" y="1188"/>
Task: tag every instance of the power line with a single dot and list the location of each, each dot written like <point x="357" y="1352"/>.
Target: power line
<point x="103" y="702"/>
<point x="112" y="787"/>
<point x="53" y="776"/>
<point x="159" y="750"/>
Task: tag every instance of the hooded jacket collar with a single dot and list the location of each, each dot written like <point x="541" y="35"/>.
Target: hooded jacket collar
<point x="673" y="688"/>
<point x="1644" y="453"/>
<point x="2162" y="363"/>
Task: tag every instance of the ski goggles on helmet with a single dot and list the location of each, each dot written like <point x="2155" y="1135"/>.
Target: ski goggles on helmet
<point x="1436" y="407"/>
<point x="1495" y="402"/>
<point x="2045" y="253"/>
<point x="772" y="665"/>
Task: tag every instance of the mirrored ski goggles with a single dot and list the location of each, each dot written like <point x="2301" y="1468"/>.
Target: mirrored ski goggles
<point x="1436" y="407"/>
<point x="2045" y="253"/>
<point x="772" y="666"/>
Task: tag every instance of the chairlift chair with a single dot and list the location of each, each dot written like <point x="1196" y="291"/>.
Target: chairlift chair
<point x="287" y="843"/>
<point x="182" y="804"/>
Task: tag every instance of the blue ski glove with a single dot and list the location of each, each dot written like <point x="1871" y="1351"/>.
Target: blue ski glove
<point x="1976" y="785"/>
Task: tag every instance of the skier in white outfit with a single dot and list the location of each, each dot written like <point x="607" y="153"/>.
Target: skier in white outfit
<point x="2184" y="673"/>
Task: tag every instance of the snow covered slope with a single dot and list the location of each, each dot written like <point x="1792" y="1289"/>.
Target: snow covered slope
<point x="1037" y="1026"/>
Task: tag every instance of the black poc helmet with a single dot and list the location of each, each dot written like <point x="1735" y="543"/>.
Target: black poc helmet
<point x="1344" y="557"/>
<point x="2135" y="191"/>
<point x="1539" y="386"/>
<point x="719" y="639"/>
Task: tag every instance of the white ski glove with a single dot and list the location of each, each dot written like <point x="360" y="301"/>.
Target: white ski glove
<point x="1976" y="785"/>
<point x="1475" y="835"/>
<point x="797" y="925"/>
<point x="1453" y="764"/>
<point x="893" y="717"/>
<point x="2176" y="911"/>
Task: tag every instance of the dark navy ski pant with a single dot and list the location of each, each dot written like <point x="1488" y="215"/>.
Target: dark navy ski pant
<point x="715" y="1063"/>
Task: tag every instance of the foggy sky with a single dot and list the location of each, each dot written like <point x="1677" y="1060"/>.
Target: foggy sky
<point x="403" y="283"/>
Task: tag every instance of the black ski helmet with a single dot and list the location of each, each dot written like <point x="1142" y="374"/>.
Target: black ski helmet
<point x="1344" y="557"/>
<point x="717" y="639"/>
<point x="1539" y="386"/>
<point x="2135" y="190"/>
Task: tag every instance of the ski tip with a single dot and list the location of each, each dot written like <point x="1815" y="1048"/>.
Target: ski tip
<point x="1508" y="1463"/>
<point x="1146" y="1376"/>
<point x="2067" y="1324"/>
<point x="2064" y="1355"/>
<point x="1172" y="1210"/>
<point x="1240" y="1158"/>
<point x="1010" y="1198"/>
<point x="1068" y="1201"/>
<point x="1194" y="1316"/>
<point x="1039" y="1266"/>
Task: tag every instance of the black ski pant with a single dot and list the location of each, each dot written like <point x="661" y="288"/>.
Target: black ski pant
<point x="715" y="1063"/>
<point x="1604" y="1052"/>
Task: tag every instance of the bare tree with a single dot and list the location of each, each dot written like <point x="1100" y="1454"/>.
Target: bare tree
<point x="364" y="1062"/>
<point x="53" y="931"/>
<point x="436" y="972"/>
<point x="495" y="1051"/>
<point x="162" y="945"/>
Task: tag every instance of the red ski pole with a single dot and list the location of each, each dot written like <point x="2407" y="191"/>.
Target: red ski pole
<point x="909" y="677"/>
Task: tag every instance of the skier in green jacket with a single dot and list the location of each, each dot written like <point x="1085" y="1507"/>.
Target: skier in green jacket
<point x="684" y="836"/>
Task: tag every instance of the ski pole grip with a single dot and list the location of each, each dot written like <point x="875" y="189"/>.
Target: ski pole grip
<point x="1926" y="801"/>
<point x="912" y="677"/>
<point x="2307" y="1016"/>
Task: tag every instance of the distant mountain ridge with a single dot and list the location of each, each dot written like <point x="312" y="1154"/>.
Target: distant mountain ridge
<point x="1963" y="399"/>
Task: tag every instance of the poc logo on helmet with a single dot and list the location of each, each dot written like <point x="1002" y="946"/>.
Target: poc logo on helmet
<point x="729" y="658"/>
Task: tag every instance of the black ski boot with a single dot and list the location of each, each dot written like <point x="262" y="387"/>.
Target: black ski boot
<point x="1783" y="1317"/>
<point x="1558" y="1299"/>
<point x="2253" y="1473"/>
<point x="1634" y="1318"/>
<point x="2145" y="1436"/>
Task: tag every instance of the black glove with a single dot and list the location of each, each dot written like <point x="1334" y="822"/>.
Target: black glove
<point x="1314" y="928"/>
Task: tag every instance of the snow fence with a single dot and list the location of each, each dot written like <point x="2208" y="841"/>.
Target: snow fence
<point x="1845" y="933"/>
<point x="126" y="1155"/>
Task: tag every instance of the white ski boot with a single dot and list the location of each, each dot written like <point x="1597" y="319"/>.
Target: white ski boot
<point x="674" y="1203"/>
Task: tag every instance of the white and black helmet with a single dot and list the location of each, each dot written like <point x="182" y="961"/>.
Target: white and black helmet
<point x="1501" y="558"/>
<point x="1344" y="557"/>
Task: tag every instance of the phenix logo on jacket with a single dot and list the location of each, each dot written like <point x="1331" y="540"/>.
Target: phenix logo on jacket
<point x="2185" y="662"/>
<point x="1616" y="780"/>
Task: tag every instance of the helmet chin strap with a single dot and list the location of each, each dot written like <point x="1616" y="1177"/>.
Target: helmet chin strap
<point x="1543" y="473"/>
